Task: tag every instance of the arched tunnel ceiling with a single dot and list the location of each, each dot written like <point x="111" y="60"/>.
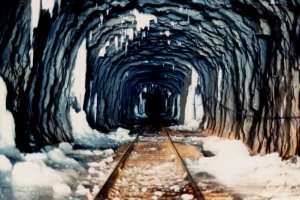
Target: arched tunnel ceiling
<point x="231" y="67"/>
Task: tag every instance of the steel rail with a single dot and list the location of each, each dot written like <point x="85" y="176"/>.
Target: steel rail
<point x="199" y="195"/>
<point x="102" y="194"/>
<point x="114" y="174"/>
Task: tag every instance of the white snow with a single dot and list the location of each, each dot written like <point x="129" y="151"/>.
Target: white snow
<point x="34" y="174"/>
<point x="47" y="5"/>
<point x="66" y="147"/>
<point x="220" y="77"/>
<point x="83" y="134"/>
<point x="35" y="157"/>
<point x="59" y="158"/>
<point x="79" y="74"/>
<point x="266" y="176"/>
<point x="81" y="190"/>
<point x="95" y="139"/>
<point x="143" y="20"/>
<point x="187" y="197"/>
<point x="102" y="51"/>
<point x="35" y="14"/>
<point x="166" y="33"/>
<point x="189" y="117"/>
<point x="199" y="112"/>
<point x="79" y="123"/>
<point x="61" y="189"/>
<point x="7" y="123"/>
<point x="5" y="164"/>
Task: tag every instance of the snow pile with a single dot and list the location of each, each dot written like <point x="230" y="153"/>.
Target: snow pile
<point x="58" y="158"/>
<point x="5" y="164"/>
<point x="30" y="173"/>
<point x="193" y="113"/>
<point x="97" y="140"/>
<point x="61" y="189"/>
<point x="66" y="147"/>
<point x="83" y="134"/>
<point x="53" y="172"/>
<point x="264" y="175"/>
<point x="7" y="123"/>
<point x="193" y="125"/>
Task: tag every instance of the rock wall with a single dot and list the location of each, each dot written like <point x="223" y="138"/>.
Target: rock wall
<point x="246" y="55"/>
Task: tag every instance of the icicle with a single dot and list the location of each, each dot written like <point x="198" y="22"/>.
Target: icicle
<point x="130" y="33"/>
<point x="90" y="36"/>
<point x="143" y="20"/>
<point x="102" y="51"/>
<point x="126" y="46"/>
<point x="167" y="33"/>
<point x="178" y="107"/>
<point x="101" y="19"/>
<point x="116" y="43"/>
<point x="95" y="108"/>
<point x="180" y="9"/>
<point x="35" y="13"/>
<point x="48" y="5"/>
<point x="143" y="34"/>
<point x="190" y="102"/>
<point x="173" y="24"/>
<point x="220" y="76"/>
<point x="200" y="28"/>
<point x="126" y="74"/>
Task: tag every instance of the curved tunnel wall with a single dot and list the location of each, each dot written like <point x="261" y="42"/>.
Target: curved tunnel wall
<point x="244" y="53"/>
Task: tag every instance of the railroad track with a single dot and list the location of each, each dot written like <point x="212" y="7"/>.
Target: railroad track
<point x="151" y="168"/>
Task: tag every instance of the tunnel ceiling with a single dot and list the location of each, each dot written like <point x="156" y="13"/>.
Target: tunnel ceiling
<point x="231" y="67"/>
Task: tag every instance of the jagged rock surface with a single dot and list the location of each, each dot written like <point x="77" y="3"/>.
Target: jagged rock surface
<point x="246" y="55"/>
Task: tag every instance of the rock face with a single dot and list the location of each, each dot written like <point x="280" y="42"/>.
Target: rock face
<point x="231" y="66"/>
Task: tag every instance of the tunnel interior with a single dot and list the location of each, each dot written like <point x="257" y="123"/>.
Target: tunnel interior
<point x="228" y="67"/>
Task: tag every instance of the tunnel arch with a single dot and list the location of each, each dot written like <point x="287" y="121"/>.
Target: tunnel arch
<point x="244" y="54"/>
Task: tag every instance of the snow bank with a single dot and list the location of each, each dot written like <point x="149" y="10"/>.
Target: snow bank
<point x="5" y="164"/>
<point x="83" y="134"/>
<point x="97" y="140"/>
<point x="61" y="189"/>
<point x="232" y="166"/>
<point x="30" y="174"/>
<point x="58" y="157"/>
<point x="7" y="124"/>
<point x="66" y="147"/>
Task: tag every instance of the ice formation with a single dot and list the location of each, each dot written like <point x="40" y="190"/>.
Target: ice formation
<point x="7" y="124"/>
